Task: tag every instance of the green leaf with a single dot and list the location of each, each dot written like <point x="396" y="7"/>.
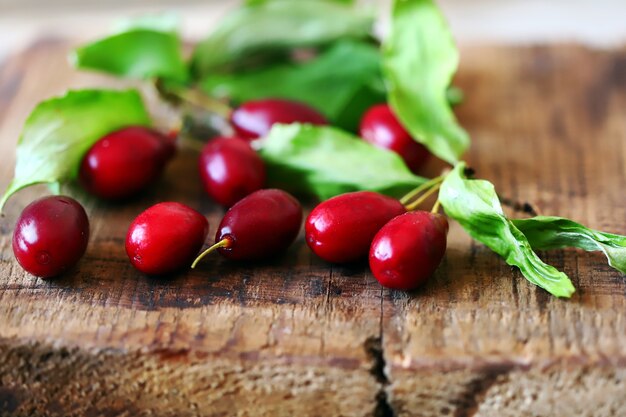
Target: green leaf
<point x="475" y="205"/>
<point x="342" y="82"/>
<point x="59" y="131"/>
<point x="546" y="232"/>
<point x="149" y="47"/>
<point x="325" y="161"/>
<point x="277" y="26"/>
<point x="420" y="59"/>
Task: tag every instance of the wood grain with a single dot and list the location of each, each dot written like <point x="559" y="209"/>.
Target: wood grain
<point x="296" y="336"/>
<point x="548" y="128"/>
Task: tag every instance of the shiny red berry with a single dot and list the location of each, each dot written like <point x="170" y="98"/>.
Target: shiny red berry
<point x="380" y="127"/>
<point x="254" y="119"/>
<point x="230" y="170"/>
<point x="259" y="226"/>
<point x="341" y="229"/>
<point x="124" y="162"/>
<point x="165" y="238"/>
<point x="51" y="236"/>
<point x="408" y="249"/>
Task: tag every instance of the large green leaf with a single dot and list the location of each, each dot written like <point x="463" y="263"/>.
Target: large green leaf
<point x="342" y="82"/>
<point x="475" y="205"/>
<point x="546" y="232"/>
<point x="61" y="130"/>
<point x="146" y="47"/>
<point x="277" y="26"/>
<point x="325" y="161"/>
<point x="420" y="59"/>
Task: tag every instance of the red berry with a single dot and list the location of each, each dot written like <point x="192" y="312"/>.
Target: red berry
<point x="261" y="225"/>
<point x="165" y="238"/>
<point x="124" y="162"/>
<point x="341" y="229"/>
<point x="408" y="249"/>
<point x="380" y="127"/>
<point x="51" y="236"/>
<point x="230" y="170"/>
<point x="254" y="119"/>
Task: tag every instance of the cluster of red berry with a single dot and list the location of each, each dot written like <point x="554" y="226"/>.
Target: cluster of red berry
<point x="404" y="246"/>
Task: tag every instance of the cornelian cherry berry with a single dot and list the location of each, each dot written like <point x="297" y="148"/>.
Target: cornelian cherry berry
<point x="124" y="162"/>
<point x="380" y="127"/>
<point x="165" y="238"/>
<point x="255" y="118"/>
<point x="259" y="226"/>
<point x="230" y="170"/>
<point x="408" y="249"/>
<point x="341" y="229"/>
<point x="51" y="236"/>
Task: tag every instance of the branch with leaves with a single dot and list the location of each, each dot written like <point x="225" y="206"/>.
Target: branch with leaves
<point x="321" y="53"/>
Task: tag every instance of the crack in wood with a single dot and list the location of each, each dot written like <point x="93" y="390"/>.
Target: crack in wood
<point x="471" y="309"/>
<point x="374" y="349"/>
<point x="476" y="389"/>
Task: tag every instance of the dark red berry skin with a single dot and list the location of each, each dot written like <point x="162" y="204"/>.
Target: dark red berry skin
<point x="124" y="162"/>
<point x="230" y="170"/>
<point x="341" y="229"/>
<point x="51" y="236"/>
<point x="408" y="249"/>
<point x="165" y="238"/>
<point x="254" y="119"/>
<point x="380" y="127"/>
<point x="261" y="225"/>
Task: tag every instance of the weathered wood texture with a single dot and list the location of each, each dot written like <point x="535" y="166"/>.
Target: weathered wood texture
<point x="296" y="336"/>
<point x="548" y="128"/>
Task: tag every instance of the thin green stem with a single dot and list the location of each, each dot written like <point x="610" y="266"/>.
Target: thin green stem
<point x="224" y="243"/>
<point x="193" y="144"/>
<point x="428" y="184"/>
<point x="199" y="99"/>
<point x="424" y="197"/>
<point x="436" y="206"/>
<point x="193" y="97"/>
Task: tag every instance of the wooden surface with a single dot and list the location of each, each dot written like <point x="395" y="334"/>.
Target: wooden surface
<point x="298" y="337"/>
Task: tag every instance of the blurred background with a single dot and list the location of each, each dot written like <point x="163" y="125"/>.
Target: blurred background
<point x="601" y="23"/>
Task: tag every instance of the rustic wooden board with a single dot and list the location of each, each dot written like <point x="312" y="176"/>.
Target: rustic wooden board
<point x="300" y="337"/>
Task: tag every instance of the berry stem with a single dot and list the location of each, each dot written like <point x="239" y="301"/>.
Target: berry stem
<point x="193" y="144"/>
<point x="428" y="184"/>
<point x="195" y="98"/>
<point x="436" y="206"/>
<point x="198" y="99"/>
<point x="412" y="206"/>
<point x="224" y="243"/>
